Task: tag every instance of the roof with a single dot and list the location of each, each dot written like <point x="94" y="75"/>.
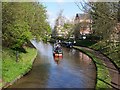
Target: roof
<point x="82" y="16"/>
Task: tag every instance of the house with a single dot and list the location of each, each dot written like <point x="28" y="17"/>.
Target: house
<point x="85" y="23"/>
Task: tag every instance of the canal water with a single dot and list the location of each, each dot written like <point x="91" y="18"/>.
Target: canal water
<point x="74" y="70"/>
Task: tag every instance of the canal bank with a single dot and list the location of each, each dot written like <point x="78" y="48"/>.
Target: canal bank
<point x="75" y="70"/>
<point x="12" y="70"/>
<point x="107" y="73"/>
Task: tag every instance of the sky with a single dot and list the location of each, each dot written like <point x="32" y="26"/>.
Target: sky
<point x="53" y="8"/>
<point x="68" y="6"/>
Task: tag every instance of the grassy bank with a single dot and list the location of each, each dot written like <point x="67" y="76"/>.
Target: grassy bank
<point x="110" y="49"/>
<point x="12" y="69"/>
<point x="102" y="72"/>
<point x="0" y="64"/>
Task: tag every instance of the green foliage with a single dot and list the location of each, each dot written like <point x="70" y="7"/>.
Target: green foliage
<point x="69" y="28"/>
<point x="103" y="75"/>
<point x="118" y="16"/>
<point x="111" y="49"/>
<point x="67" y="25"/>
<point x="98" y="21"/>
<point x="58" y="27"/>
<point x="23" y="21"/>
<point x="85" y="43"/>
<point x="19" y="34"/>
<point x="77" y="30"/>
<point x="12" y="69"/>
<point x="104" y="17"/>
<point x="62" y="28"/>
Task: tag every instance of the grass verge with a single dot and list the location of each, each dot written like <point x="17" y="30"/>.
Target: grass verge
<point x="110" y="49"/>
<point x="103" y="78"/>
<point x="12" y="69"/>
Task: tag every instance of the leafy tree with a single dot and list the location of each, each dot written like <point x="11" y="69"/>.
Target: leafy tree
<point x="68" y="27"/>
<point x="62" y="26"/>
<point x="105" y="23"/>
<point x="103" y="15"/>
<point x="118" y="11"/>
<point x="33" y="14"/>
<point x="21" y="22"/>
<point x="54" y="32"/>
<point x="77" y="30"/>
<point x="59" y="22"/>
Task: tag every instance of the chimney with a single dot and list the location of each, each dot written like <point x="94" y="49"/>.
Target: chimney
<point x="77" y="16"/>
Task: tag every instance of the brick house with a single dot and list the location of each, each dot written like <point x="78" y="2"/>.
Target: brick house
<point x="85" y="23"/>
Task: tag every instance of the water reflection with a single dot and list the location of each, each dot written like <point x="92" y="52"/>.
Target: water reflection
<point x="58" y="59"/>
<point x="84" y="59"/>
<point x="74" y="70"/>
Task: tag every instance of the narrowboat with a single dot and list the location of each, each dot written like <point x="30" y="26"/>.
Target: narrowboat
<point x="57" y="51"/>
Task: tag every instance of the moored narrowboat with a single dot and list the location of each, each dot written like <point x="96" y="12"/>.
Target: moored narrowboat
<point x="57" y="51"/>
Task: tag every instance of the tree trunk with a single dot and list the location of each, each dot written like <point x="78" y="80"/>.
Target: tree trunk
<point x="17" y="54"/>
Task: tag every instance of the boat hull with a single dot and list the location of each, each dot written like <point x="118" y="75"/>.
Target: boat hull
<point x="58" y="54"/>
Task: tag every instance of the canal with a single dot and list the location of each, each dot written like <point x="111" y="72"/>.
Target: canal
<point x="74" y="70"/>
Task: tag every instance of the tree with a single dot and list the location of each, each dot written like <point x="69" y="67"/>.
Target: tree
<point x="31" y="13"/>
<point x="21" y="22"/>
<point x="103" y="15"/>
<point x="106" y="23"/>
<point x="59" y="22"/>
<point x="118" y="12"/>
<point x="77" y="30"/>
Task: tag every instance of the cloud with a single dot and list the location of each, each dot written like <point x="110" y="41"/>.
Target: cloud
<point x="51" y="18"/>
<point x="49" y="13"/>
<point x="52" y="22"/>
